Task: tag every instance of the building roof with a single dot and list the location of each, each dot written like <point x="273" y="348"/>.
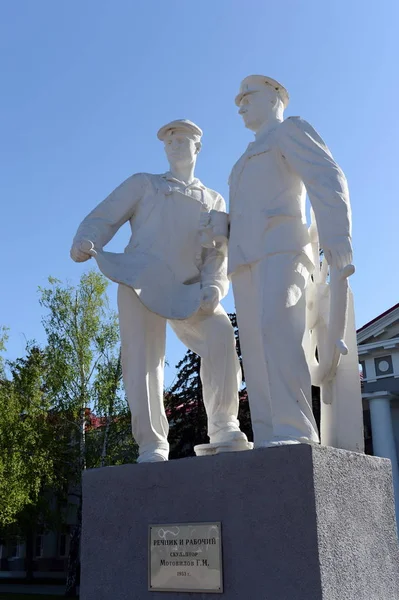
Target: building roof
<point x="379" y="317"/>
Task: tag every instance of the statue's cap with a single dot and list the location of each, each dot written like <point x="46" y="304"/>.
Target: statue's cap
<point x="256" y="83"/>
<point x="185" y="125"/>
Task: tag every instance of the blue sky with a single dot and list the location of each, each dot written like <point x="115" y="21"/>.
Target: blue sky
<point x="87" y="83"/>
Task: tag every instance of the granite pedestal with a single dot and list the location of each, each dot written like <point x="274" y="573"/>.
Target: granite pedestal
<point x="298" y="523"/>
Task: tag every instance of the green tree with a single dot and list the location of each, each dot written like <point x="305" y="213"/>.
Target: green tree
<point x="82" y="356"/>
<point x="27" y="450"/>
<point x="25" y="436"/>
<point x="3" y="341"/>
<point x="109" y="430"/>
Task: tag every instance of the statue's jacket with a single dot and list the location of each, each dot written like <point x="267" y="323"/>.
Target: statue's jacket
<point x="268" y="188"/>
<point x="164" y="216"/>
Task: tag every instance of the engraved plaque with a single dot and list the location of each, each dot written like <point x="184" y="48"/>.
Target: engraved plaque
<point x="185" y="557"/>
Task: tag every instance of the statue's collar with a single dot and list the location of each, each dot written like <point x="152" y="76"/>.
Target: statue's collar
<point x="265" y="130"/>
<point x="195" y="184"/>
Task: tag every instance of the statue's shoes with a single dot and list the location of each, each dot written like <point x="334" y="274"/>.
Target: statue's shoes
<point x="238" y="445"/>
<point x="153" y="456"/>
<point x="227" y="435"/>
<point x="276" y="442"/>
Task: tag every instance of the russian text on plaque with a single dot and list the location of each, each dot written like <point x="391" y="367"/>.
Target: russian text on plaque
<point x="185" y="557"/>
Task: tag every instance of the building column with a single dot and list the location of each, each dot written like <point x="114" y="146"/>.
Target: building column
<point x="383" y="436"/>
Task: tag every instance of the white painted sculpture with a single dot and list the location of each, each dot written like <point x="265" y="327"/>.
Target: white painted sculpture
<point x="173" y="269"/>
<point x="285" y="307"/>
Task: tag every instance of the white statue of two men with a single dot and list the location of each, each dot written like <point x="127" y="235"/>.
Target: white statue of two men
<point x="175" y="269"/>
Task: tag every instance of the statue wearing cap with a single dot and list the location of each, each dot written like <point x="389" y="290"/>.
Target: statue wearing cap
<point x="174" y="270"/>
<point x="288" y="312"/>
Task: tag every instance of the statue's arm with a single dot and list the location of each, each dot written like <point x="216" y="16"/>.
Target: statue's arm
<point x="214" y="266"/>
<point x="103" y="222"/>
<point x="326" y="185"/>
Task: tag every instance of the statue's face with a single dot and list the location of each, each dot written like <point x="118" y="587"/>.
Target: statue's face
<point x="257" y="107"/>
<point x="180" y="149"/>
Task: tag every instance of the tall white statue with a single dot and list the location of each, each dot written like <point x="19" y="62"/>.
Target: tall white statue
<point x="172" y="270"/>
<point x="285" y="306"/>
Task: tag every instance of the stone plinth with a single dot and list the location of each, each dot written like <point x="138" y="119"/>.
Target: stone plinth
<point x="298" y="523"/>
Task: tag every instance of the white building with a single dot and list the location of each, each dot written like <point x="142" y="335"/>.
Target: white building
<point x="378" y="347"/>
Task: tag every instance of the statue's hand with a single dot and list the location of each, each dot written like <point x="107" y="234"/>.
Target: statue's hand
<point x="340" y="255"/>
<point x="82" y="251"/>
<point x="210" y="298"/>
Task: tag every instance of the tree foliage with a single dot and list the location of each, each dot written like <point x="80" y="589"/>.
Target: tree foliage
<point x="84" y="373"/>
<point x="3" y="341"/>
<point x="26" y="437"/>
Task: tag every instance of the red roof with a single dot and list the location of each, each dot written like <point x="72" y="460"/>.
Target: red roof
<point x="94" y="422"/>
<point x="379" y="317"/>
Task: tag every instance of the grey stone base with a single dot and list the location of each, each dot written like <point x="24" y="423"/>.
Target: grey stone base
<point x="298" y="523"/>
